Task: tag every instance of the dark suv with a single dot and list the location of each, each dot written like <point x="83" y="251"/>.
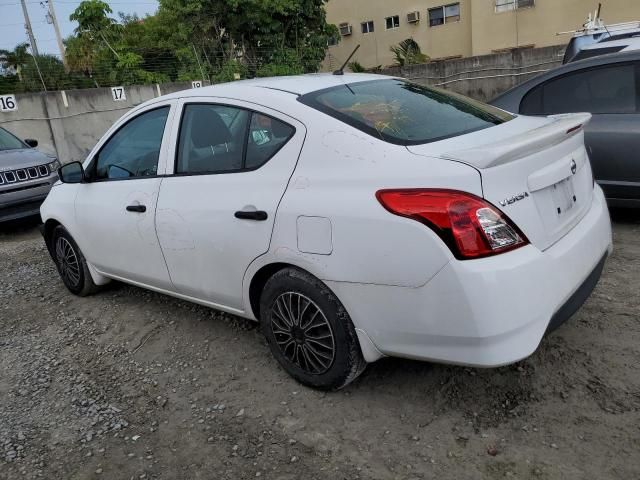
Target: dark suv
<point x="607" y="86"/>
<point x="26" y="176"/>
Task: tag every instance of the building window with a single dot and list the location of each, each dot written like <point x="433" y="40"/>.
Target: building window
<point x="444" y="14"/>
<point x="333" y="41"/>
<point x="506" y="5"/>
<point x="393" y="22"/>
<point x="367" y="27"/>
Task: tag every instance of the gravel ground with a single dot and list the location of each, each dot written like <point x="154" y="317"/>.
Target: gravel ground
<point x="129" y="384"/>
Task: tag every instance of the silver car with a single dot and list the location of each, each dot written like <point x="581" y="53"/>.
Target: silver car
<point x="26" y="176"/>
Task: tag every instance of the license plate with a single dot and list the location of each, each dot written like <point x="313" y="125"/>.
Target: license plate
<point x="564" y="196"/>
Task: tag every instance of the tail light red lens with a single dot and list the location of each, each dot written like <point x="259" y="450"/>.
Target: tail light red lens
<point x="469" y="225"/>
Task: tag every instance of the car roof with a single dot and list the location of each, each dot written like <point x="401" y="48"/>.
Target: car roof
<point x="601" y="60"/>
<point x="253" y="90"/>
<point x="297" y="85"/>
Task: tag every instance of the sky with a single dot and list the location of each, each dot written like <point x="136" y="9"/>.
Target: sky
<point x="12" y="31"/>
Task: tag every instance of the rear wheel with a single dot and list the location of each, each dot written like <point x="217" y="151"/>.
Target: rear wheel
<point x="309" y="331"/>
<point x="72" y="266"/>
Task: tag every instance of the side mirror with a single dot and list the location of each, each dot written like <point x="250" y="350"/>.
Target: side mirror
<point x="31" y="142"/>
<point x="71" y="173"/>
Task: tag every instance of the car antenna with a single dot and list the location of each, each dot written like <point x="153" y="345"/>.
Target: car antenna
<point x="340" y="71"/>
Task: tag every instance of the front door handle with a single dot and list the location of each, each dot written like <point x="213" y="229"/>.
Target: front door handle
<point x="137" y="208"/>
<point x="258" y="215"/>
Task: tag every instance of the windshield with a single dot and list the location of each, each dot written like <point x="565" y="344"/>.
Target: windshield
<point x="404" y="113"/>
<point x="8" y="141"/>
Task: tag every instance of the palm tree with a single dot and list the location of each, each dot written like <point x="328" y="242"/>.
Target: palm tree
<point x="408" y="52"/>
<point x="15" y="59"/>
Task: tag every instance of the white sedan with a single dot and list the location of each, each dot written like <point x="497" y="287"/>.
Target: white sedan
<point x="354" y="217"/>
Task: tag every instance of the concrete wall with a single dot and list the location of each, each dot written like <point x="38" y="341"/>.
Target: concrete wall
<point x="484" y="77"/>
<point x="71" y="130"/>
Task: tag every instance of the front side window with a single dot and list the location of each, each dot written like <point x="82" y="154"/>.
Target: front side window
<point x="392" y="22"/>
<point x="404" y="113"/>
<point x="134" y="150"/>
<point x="609" y="89"/>
<point x="9" y="142"/>
<point x="225" y="139"/>
<point x="444" y="14"/>
<point x="367" y="27"/>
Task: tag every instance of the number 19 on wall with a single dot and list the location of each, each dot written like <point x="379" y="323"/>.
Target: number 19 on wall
<point x="8" y="103"/>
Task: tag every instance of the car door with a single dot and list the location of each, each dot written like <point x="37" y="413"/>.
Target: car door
<point x="611" y="94"/>
<point x="115" y="207"/>
<point x="216" y="212"/>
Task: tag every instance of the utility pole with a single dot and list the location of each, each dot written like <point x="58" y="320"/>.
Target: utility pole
<point x="27" y="24"/>
<point x="56" y="27"/>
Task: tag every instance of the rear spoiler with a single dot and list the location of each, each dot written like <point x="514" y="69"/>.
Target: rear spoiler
<point x="562" y="127"/>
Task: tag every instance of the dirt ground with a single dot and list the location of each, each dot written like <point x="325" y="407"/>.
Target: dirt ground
<point x="129" y="384"/>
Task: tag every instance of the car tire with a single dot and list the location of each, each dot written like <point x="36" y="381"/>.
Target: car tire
<point x="72" y="266"/>
<point x="309" y="331"/>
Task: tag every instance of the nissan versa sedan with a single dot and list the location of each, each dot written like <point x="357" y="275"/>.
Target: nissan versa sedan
<point x="26" y="176"/>
<point x="608" y="87"/>
<point x="354" y="217"/>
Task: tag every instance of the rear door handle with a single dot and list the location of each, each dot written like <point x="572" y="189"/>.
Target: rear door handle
<point x="137" y="208"/>
<point x="258" y="215"/>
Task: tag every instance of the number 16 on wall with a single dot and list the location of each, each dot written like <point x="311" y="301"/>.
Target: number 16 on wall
<point x="8" y="103"/>
<point x="118" y="94"/>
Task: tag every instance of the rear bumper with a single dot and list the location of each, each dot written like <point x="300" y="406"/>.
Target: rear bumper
<point x="576" y="300"/>
<point x="487" y="312"/>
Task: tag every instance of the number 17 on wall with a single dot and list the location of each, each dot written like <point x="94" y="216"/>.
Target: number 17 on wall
<point x="118" y="94"/>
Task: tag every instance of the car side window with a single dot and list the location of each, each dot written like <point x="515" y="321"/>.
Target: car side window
<point x="609" y="89"/>
<point x="212" y="139"/>
<point x="225" y="139"/>
<point x="266" y="137"/>
<point x="134" y="150"/>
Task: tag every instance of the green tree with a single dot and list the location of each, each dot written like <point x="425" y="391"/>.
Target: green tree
<point x="408" y="52"/>
<point x="94" y="22"/>
<point x="15" y="59"/>
<point x="254" y="32"/>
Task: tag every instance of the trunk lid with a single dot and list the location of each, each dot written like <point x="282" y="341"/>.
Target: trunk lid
<point x="536" y="170"/>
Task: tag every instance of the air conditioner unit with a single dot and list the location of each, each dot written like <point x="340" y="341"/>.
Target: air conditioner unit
<point x="345" y="29"/>
<point x="413" y="17"/>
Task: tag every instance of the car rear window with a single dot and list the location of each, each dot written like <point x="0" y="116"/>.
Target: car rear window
<point x="404" y="113"/>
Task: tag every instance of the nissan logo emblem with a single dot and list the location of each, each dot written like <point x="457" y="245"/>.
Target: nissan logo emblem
<point x="574" y="167"/>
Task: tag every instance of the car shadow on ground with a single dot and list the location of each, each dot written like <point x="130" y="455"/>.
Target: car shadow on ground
<point x="625" y="215"/>
<point x="20" y="227"/>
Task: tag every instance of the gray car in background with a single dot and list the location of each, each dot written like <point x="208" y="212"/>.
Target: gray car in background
<point x="26" y="176"/>
<point x="607" y="86"/>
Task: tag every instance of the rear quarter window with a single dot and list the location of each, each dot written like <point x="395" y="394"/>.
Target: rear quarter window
<point x="404" y="113"/>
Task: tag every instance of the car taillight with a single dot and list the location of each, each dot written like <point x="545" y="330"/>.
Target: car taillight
<point x="469" y="225"/>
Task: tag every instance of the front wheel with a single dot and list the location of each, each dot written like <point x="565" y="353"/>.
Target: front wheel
<point x="309" y="331"/>
<point x="72" y="266"/>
